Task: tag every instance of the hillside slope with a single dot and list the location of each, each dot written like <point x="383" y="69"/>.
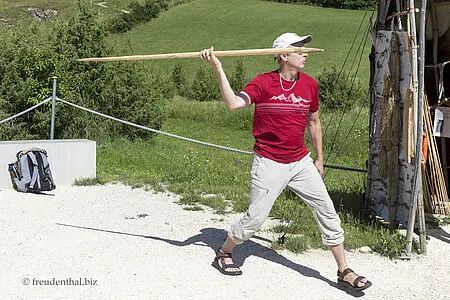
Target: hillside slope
<point x="246" y="24"/>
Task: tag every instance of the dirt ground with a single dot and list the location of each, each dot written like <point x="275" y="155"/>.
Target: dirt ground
<point x="115" y="242"/>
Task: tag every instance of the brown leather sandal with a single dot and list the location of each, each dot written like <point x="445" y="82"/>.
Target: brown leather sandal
<point x="222" y="266"/>
<point x="353" y="285"/>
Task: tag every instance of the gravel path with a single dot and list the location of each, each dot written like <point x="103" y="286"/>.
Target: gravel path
<point x="124" y="243"/>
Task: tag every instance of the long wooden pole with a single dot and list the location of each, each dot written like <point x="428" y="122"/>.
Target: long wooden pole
<point x="248" y="52"/>
<point x="418" y="130"/>
<point x="421" y="91"/>
<point x="436" y="181"/>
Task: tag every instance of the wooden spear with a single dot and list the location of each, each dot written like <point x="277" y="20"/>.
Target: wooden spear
<point x="272" y="51"/>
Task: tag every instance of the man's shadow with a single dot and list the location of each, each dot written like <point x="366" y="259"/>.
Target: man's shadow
<point x="439" y="233"/>
<point x="213" y="238"/>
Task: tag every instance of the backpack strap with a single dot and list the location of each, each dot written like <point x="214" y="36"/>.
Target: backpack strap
<point x="41" y="166"/>
<point x="35" y="174"/>
<point x="24" y="152"/>
<point x="19" y="155"/>
<point x="34" y="149"/>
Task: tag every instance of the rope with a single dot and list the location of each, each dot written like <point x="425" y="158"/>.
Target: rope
<point x="26" y="111"/>
<point x="359" y="111"/>
<point x="360" y="50"/>
<point x="343" y="66"/>
<point x="154" y="130"/>
<point x="184" y="138"/>
<point x="351" y="88"/>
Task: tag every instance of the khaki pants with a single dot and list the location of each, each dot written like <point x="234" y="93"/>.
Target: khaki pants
<point x="268" y="180"/>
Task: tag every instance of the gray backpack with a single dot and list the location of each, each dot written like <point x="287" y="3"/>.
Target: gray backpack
<point x="31" y="172"/>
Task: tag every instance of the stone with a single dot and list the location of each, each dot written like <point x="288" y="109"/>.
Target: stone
<point x="365" y="249"/>
<point x="42" y="15"/>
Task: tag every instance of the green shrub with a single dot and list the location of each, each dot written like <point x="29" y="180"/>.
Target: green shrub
<point x="239" y="78"/>
<point x="147" y="11"/>
<point x="179" y="81"/>
<point x="31" y="55"/>
<point x="204" y="87"/>
<point x="138" y="13"/>
<point x="359" y="4"/>
<point x="26" y="63"/>
<point x="338" y="91"/>
<point x="178" y="2"/>
<point x="120" y="24"/>
<point x="13" y="128"/>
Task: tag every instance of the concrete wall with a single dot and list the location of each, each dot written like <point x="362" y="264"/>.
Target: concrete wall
<point x="68" y="159"/>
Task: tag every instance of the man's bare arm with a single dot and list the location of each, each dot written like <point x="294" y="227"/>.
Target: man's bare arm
<point x="315" y="134"/>
<point x="233" y="101"/>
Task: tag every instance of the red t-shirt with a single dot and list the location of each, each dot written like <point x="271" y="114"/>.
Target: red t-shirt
<point x="281" y="116"/>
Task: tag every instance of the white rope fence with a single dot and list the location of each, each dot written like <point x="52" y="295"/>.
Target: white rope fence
<point x="26" y="111"/>
<point x="154" y="130"/>
<point x="124" y="122"/>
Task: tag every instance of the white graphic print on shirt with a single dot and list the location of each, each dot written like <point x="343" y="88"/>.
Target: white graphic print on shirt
<point x="292" y="98"/>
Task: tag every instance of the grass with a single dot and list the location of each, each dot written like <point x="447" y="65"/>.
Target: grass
<point x="303" y="235"/>
<point x="88" y="181"/>
<point x="177" y="161"/>
<point x="246" y="24"/>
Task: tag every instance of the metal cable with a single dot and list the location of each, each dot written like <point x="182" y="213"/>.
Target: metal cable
<point x="26" y="111"/>
<point x="359" y="111"/>
<point x="153" y="130"/>
<point x="361" y="46"/>
<point x="184" y="138"/>
<point x="343" y="66"/>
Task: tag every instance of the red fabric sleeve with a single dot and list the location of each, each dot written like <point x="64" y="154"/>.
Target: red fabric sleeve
<point x="253" y="88"/>
<point x="315" y="97"/>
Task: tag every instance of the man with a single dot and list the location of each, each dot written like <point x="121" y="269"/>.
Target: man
<point x="286" y="103"/>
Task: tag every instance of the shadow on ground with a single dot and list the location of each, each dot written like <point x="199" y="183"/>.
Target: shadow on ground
<point x="439" y="233"/>
<point x="213" y="238"/>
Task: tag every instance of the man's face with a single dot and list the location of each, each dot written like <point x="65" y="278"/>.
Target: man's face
<point x="296" y="60"/>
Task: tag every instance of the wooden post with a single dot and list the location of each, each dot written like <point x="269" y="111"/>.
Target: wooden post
<point x="416" y="199"/>
<point x="421" y="92"/>
<point x="437" y="196"/>
<point x="444" y="159"/>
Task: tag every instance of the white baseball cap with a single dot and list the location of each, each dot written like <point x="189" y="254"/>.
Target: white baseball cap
<point x="287" y="39"/>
